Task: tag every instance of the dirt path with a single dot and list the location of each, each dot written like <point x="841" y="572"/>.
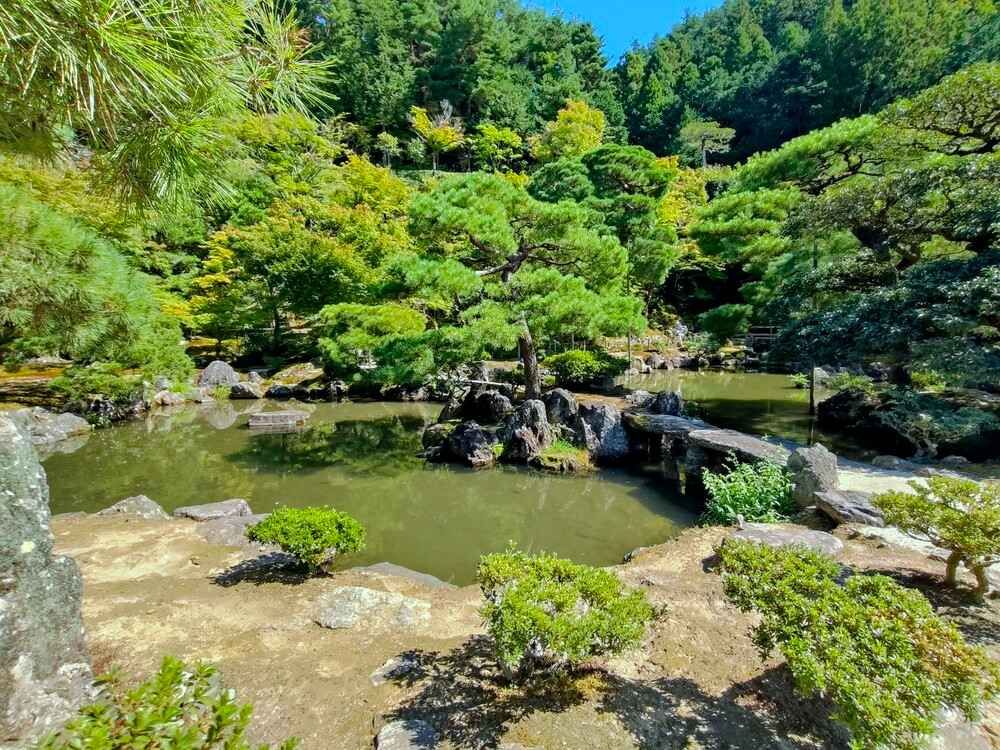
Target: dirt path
<point x="154" y="588"/>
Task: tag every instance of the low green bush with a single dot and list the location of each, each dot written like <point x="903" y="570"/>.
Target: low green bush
<point x="928" y="421"/>
<point x="314" y="535"/>
<point x="106" y="379"/>
<point x="580" y="368"/>
<point x="545" y="611"/>
<point x="799" y="380"/>
<point x="846" y="380"/>
<point x="874" y="649"/>
<point x="928" y="380"/>
<point x="757" y="492"/>
<point x="959" y="515"/>
<point x="179" y="707"/>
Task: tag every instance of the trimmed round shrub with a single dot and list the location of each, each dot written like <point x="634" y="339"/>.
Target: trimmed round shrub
<point x="314" y="535"/>
<point x="874" y="649"/>
<point x="579" y="367"/>
<point x="543" y="611"/>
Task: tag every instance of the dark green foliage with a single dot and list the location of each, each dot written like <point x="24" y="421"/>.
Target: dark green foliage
<point x="105" y="379"/>
<point x="580" y="368"/>
<point x="726" y="321"/>
<point x="545" y="611"/>
<point x="315" y="535"/>
<point x="875" y="650"/>
<point x="757" y="492"/>
<point x="181" y="707"/>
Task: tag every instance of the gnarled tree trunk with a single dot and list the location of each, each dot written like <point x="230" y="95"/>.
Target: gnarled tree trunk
<point x="529" y="359"/>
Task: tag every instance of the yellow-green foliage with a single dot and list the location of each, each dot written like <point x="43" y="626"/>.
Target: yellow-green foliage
<point x="544" y="610"/>
<point x="577" y="129"/>
<point x="874" y="649"/>
<point x="314" y="535"/>
<point x="960" y="515"/>
<point x="180" y="707"/>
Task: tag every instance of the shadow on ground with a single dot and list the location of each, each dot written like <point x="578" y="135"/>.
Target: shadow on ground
<point x="274" y="567"/>
<point x="460" y="693"/>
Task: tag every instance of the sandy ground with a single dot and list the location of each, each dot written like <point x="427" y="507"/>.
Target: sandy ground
<point x="154" y="588"/>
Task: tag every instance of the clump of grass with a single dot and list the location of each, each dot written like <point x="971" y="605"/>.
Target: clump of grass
<point x="563" y="456"/>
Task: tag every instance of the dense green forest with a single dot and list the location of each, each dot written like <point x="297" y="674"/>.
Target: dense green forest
<point x="436" y="181"/>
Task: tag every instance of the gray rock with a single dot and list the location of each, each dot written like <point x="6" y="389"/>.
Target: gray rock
<point x="44" y="427"/>
<point x="409" y="734"/>
<point x="779" y="536"/>
<point x="231" y="531"/>
<point x="657" y="361"/>
<point x="398" y="571"/>
<point x="279" y="391"/>
<point x="955" y="461"/>
<point x="487" y="407"/>
<point x="469" y="444"/>
<point x="396" y="668"/>
<point x="955" y="732"/>
<point x="813" y="469"/>
<point x="435" y="435"/>
<point x="453" y="406"/>
<point x="211" y="511"/>
<point x="663" y="424"/>
<point x="560" y="406"/>
<point x="246" y="390"/>
<point x="139" y="506"/>
<point x="894" y="463"/>
<point x="849" y="506"/>
<point x="668" y="403"/>
<point x="639" y="399"/>
<point x="167" y="398"/>
<point x="45" y="673"/>
<point x="347" y="606"/>
<point x="599" y="429"/>
<point x="218" y="373"/>
<point x="526" y="432"/>
<point x="746" y="448"/>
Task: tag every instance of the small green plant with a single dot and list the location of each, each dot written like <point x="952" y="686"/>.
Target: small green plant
<point x="960" y="515"/>
<point x="221" y="392"/>
<point x="846" y="380"/>
<point x="758" y="492"/>
<point x="580" y="368"/>
<point x="928" y="380"/>
<point x="314" y="535"/>
<point x="799" y="380"/>
<point x="105" y="379"/>
<point x="563" y="456"/>
<point x="545" y="611"/>
<point x="179" y="707"/>
<point x="875" y="649"/>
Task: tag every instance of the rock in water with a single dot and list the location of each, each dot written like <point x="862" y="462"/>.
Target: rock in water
<point x="471" y="445"/>
<point x="668" y="403"/>
<point x="139" y="506"/>
<point x="600" y="430"/>
<point x="526" y="432"/>
<point x="409" y="734"/>
<point x="560" y="406"/>
<point x="218" y="373"/>
<point x="813" y="469"/>
<point x="246" y="390"/>
<point x="487" y="407"/>
<point x="43" y="426"/>
<point x="45" y="673"/>
<point x="212" y="511"/>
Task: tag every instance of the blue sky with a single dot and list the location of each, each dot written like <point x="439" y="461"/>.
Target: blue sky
<point x="625" y="21"/>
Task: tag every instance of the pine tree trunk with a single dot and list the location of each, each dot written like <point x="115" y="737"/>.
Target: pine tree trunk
<point x="982" y="582"/>
<point x="529" y="358"/>
<point x="951" y="569"/>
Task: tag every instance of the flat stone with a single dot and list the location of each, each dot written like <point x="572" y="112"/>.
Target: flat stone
<point x="139" y="506"/>
<point x="212" y="511"/>
<point x="167" y="398"/>
<point x="231" y="531"/>
<point x="396" y="668"/>
<point x="663" y="424"/>
<point x="747" y="448"/>
<point x="892" y="535"/>
<point x="849" y="506"/>
<point x="398" y="571"/>
<point x="347" y="606"/>
<point x="781" y="536"/>
<point x="408" y="734"/>
<point x="277" y="419"/>
<point x="218" y="373"/>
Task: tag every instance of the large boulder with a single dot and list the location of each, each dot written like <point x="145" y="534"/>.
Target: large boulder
<point x="44" y="427"/>
<point x="45" y="673"/>
<point x="218" y="373"/>
<point x="138" y="506"/>
<point x="849" y="506"/>
<point x="469" y="444"/>
<point x="167" y="398"/>
<point x="526" y="433"/>
<point x="246" y="390"/>
<point x="231" y="531"/>
<point x="486" y="406"/>
<point x="813" y="469"/>
<point x="746" y="448"/>
<point x="211" y="511"/>
<point x="667" y="402"/>
<point x="560" y="406"/>
<point x="599" y="429"/>
<point x="347" y="606"/>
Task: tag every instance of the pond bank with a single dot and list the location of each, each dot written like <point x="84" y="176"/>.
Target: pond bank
<point x="154" y="588"/>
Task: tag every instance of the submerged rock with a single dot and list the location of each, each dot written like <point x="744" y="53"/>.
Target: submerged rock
<point x="139" y="506"/>
<point x="211" y="511"/>
<point x="218" y="373"/>
<point x="813" y="469"/>
<point x="599" y="429"/>
<point x="347" y="606"/>
<point x="779" y="536"/>
<point x="45" y="673"/>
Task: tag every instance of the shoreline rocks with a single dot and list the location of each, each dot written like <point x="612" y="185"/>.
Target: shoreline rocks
<point x="139" y="506"/>
<point x="212" y="511"/>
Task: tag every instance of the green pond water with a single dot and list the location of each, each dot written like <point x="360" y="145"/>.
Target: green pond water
<point x="361" y="458"/>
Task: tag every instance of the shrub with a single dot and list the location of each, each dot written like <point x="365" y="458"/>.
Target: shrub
<point x="757" y="492"/>
<point x="875" y="649"/>
<point x="179" y="707"/>
<point x="928" y="380"/>
<point x="846" y="380"/>
<point x="563" y="456"/>
<point x="726" y="321"/>
<point x="314" y="535"/>
<point x="958" y="514"/>
<point x="799" y="380"/>
<point x="542" y="610"/>
<point x="579" y="367"/>
<point x="107" y="379"/>
<point x="927" y="421"/>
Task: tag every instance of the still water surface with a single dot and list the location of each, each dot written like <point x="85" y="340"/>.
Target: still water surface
<point x="361" y="458"/>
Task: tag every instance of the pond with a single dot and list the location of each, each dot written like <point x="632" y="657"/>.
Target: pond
<point x="361" y="458"/>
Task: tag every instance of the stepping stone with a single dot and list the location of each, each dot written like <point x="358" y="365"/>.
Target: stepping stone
<point x="347" y="606"/>
<point x="849" y="506"/>
<point x="778" y="536"/>
<point x="278" y="420"/>
<point x="747" y="448"/>
<point x="139" y="506"/>
<point x="409" y="734"/>
<point x="211" y="511"/>
<point x="395" y="668"/>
